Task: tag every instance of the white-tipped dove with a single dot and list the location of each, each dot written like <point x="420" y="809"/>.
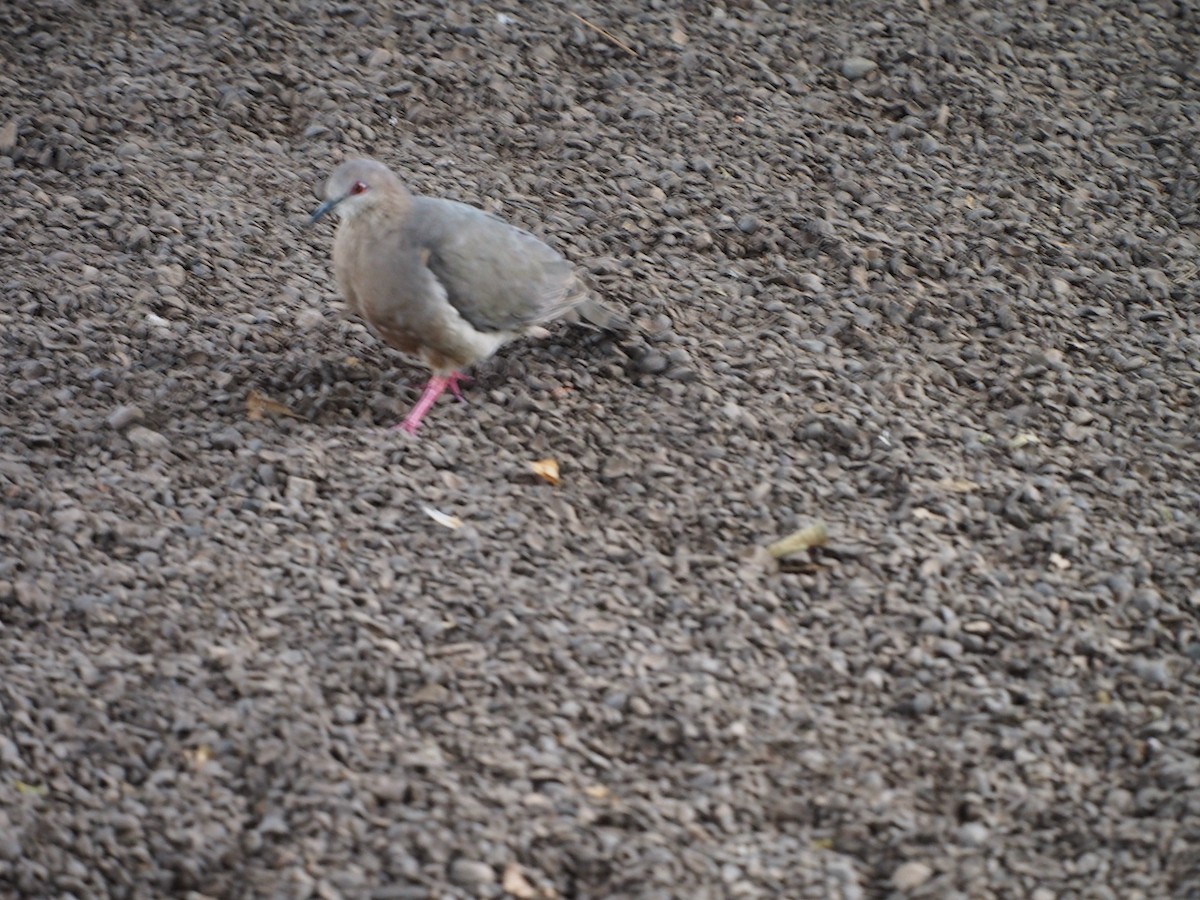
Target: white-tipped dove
<point x="441" y="281"/>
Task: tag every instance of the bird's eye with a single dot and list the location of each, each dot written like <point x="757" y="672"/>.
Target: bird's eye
<point x="359" y="187"/>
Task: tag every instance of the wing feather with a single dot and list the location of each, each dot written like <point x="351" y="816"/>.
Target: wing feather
<point x="499" y="277"/>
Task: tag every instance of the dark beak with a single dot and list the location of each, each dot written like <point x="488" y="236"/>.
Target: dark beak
<point x="321" y="211"/>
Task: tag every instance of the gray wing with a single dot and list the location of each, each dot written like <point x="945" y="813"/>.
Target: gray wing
<point x="497" y="276"/>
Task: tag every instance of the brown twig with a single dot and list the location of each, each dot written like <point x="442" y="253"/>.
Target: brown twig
<point x="601" y="31"/>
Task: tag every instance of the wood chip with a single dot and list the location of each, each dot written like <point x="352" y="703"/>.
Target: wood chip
<point x="547" y="470"/>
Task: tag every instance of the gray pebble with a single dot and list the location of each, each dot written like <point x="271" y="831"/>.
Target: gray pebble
<point x="747" y="224"/>
<point x="808" y="281"/>
<point x="469" y="872"/>
<point x="922" y="704"/>
<point x="228" y="438"/>
<point x="973" y="834"/>
<point x="143" y="437"/>
<point x="653" y="363"/>
<point x="1154" y="671"/>
<point x="911" y="875"/>
<point x="123" y="416"/>
<point x="856" y="67"/>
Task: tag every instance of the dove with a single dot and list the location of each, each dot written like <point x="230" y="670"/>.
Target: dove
<point x="445" y="283"/>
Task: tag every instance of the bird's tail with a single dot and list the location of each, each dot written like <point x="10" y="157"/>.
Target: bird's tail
<point x="582" y="308"/>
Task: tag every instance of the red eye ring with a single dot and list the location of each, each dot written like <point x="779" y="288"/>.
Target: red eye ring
<point x="358" y="187"/>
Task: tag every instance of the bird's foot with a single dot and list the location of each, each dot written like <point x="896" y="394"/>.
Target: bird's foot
<point x="455" y="379"/>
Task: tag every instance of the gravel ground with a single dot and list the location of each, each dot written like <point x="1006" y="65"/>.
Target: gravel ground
<point x="924" y="271"/>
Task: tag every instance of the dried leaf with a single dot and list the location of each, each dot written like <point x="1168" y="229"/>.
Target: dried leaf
<point x="597" y="792"/>
<point x="815" y="535"/>
<point x="547" y="470"/>
<point x="442" y="518"/>
<point x="515" y="882"/>
<point x="259" y="406"/>
<point x="1023" y="439"/>
<point x="32" y="790"/>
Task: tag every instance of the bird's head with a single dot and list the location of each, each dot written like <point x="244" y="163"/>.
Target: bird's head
<point x="354" y="186"/>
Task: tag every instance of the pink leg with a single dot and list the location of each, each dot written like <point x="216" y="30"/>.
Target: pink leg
<point x="433" y="390"/>
<point x="455" y="379"/>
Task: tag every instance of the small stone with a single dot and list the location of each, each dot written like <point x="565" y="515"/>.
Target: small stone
<point x="146" y="439"/>
<point x="1154" y="671"/>
<point x="10" y="846"/>
<point x="973" y="834"/>
<point x="747" y="224"/>
<point x="856" y="67"/>
<point x="653" y="363"/>
<point x="471" y="872"/>
<point x="172" y="275"/>
<point x="922" y="704"/>
<point x="379" y="57"/>
<point x="227" y="439"/>
<point x="8" y="136"/>
<point x="303" y="490"/>
<point x="139" y="236"/>
<point x="1147" y="601"/>
<point x="807" y="281"/>
<point x="911" y="875"/>
<point x="949" y="649"/>
<point x="123" y="416"/>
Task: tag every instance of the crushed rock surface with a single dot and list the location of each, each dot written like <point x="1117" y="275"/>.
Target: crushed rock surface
<point x="926" y="272"/>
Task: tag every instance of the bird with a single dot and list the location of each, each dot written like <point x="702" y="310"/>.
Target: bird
<point x="445" y="283"/>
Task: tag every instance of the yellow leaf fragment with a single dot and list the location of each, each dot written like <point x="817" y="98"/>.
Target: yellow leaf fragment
<point x="815" y="535"/>
<point x="32" y="790"/>
<point x="259" y="406"/>
<point x="1023" y="439"/>
<point x="597" y="792"/>
<point x="547" y="470"/>
<point x="444" y="519"/>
